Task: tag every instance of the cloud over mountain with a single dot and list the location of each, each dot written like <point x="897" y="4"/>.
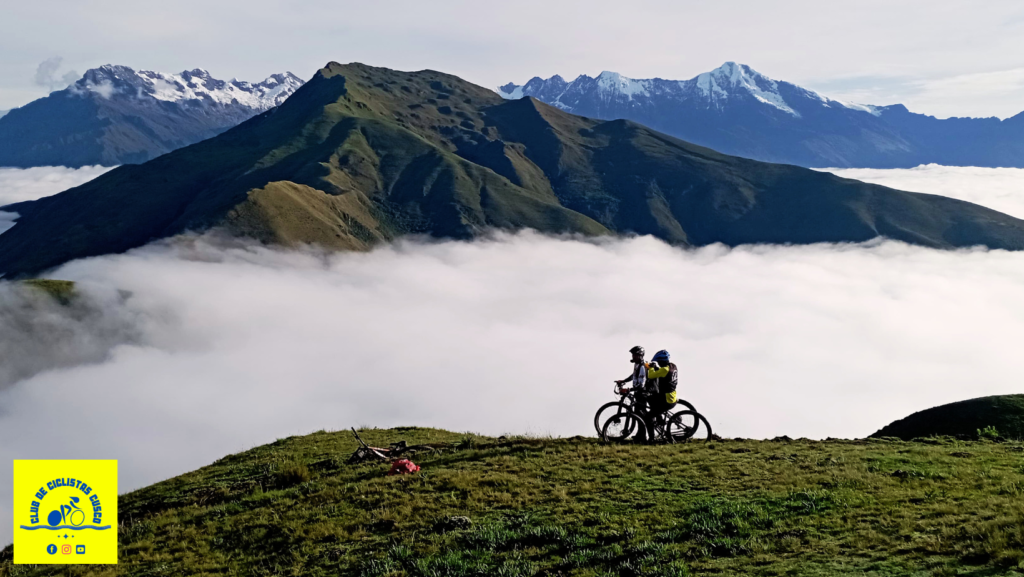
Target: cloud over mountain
<point x="1000" y="189"/>
<point x="20" y="185"/>
<point x="46" y="74"/>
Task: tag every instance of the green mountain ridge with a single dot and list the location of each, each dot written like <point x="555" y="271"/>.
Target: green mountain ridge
<point x="519" y="507"/>
<point x="963" y="418"/>
<point x="362" y="155"/>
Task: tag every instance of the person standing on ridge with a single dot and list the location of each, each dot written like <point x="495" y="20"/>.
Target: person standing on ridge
<point x="640" y="368"/>
<point x="659" y="395"/>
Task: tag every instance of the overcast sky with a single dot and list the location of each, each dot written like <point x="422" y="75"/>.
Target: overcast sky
<point x="939" y="57"/>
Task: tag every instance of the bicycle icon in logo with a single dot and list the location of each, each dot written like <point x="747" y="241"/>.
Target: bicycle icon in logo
<point x="70" y="514"/>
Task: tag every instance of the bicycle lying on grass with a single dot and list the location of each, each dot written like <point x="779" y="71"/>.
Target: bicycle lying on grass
<point x="623" y="421"/>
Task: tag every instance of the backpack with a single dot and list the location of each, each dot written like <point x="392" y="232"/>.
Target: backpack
<point x="403" y="467"/>
<point x="668" y="384"/>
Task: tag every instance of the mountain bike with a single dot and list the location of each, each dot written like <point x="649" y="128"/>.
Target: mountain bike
<point x="626" y="402"/>
<point x="678" y="427"/>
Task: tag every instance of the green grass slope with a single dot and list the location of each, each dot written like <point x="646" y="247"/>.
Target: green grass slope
<point x="965" y="418"/>
<point x="361" y="155"/>
<point x="579" y="507"/>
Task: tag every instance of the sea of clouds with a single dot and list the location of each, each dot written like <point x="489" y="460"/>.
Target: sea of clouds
<point x="21" y="184"/>
<point x="181" y="352"/>
<point x="1000" y="189"/>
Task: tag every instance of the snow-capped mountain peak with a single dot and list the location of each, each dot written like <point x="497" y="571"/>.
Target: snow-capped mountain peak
<point x="717" y="88"/>
<point x="733" y="74"/>
<point x="728" y="84"/>
<point x="116" y="115"/>
<point x="737" y="110"/>
<point x="729" y="77"/>
<point x="616" y="83"/>
<point x="197" y="84"/>
<point x="512" y="91"/>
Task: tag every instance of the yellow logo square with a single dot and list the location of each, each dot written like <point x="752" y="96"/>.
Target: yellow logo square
<point x="65" y="512"/>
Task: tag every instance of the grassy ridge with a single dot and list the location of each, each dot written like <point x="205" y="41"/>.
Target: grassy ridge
<point x="578" y="507"/>
<point x="1005" y="413"/>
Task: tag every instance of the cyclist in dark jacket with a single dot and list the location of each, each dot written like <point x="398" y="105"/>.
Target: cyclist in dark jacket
<point x="660" y="393"/>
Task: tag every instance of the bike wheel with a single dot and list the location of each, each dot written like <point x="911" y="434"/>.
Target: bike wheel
<point x="688" y="418"/>
<point x="599" y="421"/>
<point x="620" y="427"/>
<point x="681" y="406"/>
<point x="77" y="517"/>
<point x="686" y="405"/>
<point x="686" y="425"/>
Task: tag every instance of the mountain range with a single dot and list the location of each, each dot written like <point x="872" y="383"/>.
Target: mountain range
<point x="114" y="115"/>
<point x="362" y="155"/>
<point x="736" y="110"/>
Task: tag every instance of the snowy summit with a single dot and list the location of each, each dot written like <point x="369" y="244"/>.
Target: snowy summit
<point x="729" y="83"/>
<point x="115" y="115"/>
<point x="739" y="111"/>
<point x="195" y="85"/>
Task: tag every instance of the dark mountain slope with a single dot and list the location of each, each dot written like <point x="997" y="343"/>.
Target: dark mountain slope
<point x="1004" y="412"/>
<point x="361" y="155"/>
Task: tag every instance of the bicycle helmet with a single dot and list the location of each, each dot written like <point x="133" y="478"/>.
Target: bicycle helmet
<point x="637" y="350"/>
<point x="660" y="357"/>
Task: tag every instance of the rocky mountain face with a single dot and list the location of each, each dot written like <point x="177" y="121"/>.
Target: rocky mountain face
<point x="115" y="115"/>
<point x="362" y="155"/>
<point x="736" y="110"/>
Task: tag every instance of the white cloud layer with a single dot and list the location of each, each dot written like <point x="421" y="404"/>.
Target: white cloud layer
<point x="1000" y="189"/>
<point x="21" y="184"/>
<point x="179" y="354"/>
<point x="236" y="347"/>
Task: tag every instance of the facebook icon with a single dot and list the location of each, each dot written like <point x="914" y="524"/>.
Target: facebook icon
<point x="51" y="549"/>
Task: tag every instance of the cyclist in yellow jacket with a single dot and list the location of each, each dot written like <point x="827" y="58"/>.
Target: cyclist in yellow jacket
<point x="660" y="396"/>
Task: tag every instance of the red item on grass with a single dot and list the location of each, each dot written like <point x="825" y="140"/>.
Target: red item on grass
<point x="403" y="467"/>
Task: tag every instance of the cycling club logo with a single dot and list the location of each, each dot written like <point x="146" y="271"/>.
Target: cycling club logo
<point x="65" y="512"/>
